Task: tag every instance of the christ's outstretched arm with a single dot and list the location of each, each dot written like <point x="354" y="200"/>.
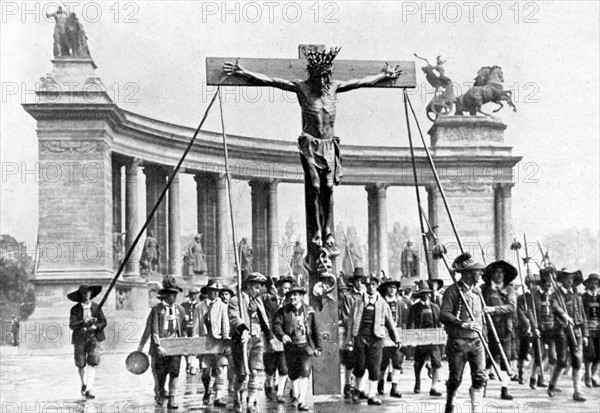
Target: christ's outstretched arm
<point x="387" y="73"/>
<point x="258" y="78"/>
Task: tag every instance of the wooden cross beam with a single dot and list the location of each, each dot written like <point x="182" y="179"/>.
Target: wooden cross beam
<point x="292" y="69"/>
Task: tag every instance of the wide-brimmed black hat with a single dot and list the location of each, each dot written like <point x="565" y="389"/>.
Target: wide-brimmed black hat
<point x="213" y="285"/>
<point x="227" y="289"/>
<point x="358" y="273"/>
<point x="169" y="285"/>
<point x="296" y="289"/>
<point x="386" y="283"/>
<point x="510" y="272"/>
<point x="78" y="295"/>
<point x="438" y="281"/>
<point x="564" y="273"/>
<point x="465" y="262"/>
<point x="285" y="279"/>
<point x="255" y="277"/>
<point x="591" y="277"/>
<point x="422" y="287"/>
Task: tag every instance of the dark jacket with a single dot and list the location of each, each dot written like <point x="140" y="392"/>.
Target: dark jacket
<point x="415" y="312"/>
<point x="157" y="315"/>
<point x="574" y="309"/>
<point x="453" y="313"/>
<point x="80" y="330"/>
<point x="505" y="303"/>
<point x="239" y="318"/>
<point x="283" y="325"/>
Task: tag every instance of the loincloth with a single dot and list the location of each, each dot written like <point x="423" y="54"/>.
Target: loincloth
<point x="324" y="155"/>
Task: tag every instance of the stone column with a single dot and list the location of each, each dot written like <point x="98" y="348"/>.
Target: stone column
<point x="499" y="241"/>
<point x="382" y="233"/>
<point x="432" y="215"/>
<point x="205" y="192"/>
<point x="507" y="229"/>
<point x="175" y="258"/>
<point x="117" y="228"/>
<point x="131" y="216"/>
<point x="372" y="211"/>
<point x="272" y="232"/>
<point x="222" y="221"/>
<point x="155" y="183"/>
<point x="260" y="240"/>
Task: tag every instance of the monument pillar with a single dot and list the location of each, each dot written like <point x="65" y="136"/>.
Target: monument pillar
<point x="475" y="190"/>
<point x="382" y="233"/>
<point x="131" y="215"/>
<point x="156" y="180"/>
<point x="260" y="239"/>
<point x="432" y="215"/>
<point x="373" y="236"/>
<point x="205" y="192"/>
<point x="175" y="255"/>
<point x="222" y="221"/>
<point x="272" y="230"/>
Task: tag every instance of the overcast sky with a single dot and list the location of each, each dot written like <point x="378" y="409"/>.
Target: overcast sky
<point x="151" y="57"/>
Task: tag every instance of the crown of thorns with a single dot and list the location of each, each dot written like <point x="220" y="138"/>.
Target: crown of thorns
<point x="320" y="61"/>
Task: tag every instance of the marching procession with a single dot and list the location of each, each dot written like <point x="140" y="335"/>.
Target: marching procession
<point x="553" y="326"/>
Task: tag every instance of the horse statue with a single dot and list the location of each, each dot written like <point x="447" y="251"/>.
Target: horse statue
<point x="444" y="96"/>
<point x="488" y="87"/>
<point x="441" y="104"/>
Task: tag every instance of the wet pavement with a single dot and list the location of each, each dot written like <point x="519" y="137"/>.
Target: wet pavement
<point x="42" y="383"/>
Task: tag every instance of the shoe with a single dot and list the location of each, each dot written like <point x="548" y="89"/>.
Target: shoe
<point x="533" y="383"/>
<point x="417" y="388"/>
<point x="578" y="397"/>
<point x="347" y="391"/>
<point x="89" y="395"/>
<point x="373" y="401"/>
<point x="587" y="381"/>
<point x="171" y="404"/>
<point x="302" y="407"/>
<point x="355" y="396"/>
<point x="159" y="400"/>
<point x="83" y="389"/>
<point x="504" y="394"/>
<point x="435" y="393"/>
<point x="380" y="384"/>
<point x="551" y="391"/>
<point x="269" y="392"/>
<point x="389" y="377"/>
<point x="219" y="403"/>
<point x="280" y="400"/>
<point x="206" y="398"/>
<point x="394" y="392"/>
<point x="362" y="395"/>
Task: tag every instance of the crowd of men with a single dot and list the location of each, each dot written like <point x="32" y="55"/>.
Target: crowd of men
<point x="487" y="326"/>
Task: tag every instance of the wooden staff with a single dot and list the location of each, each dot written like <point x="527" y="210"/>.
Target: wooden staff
<point x="537" y="343"/>
<point x="487" y="316"/>
<point x="233" y="238"/>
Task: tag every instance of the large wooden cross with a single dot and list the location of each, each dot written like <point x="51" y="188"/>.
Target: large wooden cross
<point x="326" y="377"/>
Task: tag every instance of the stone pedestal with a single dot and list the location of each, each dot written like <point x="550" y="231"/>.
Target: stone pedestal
<point x="478" y="193"/>
<point x="76" y="220"/>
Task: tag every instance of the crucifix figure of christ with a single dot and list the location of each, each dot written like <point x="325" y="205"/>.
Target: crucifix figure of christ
<point x="318" y="144"/>
<point x="319" y="154"/>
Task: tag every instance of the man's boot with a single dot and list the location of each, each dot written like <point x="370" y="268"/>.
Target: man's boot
<point x="434" y="383"/>
<point x="206" y="383"/>
<point x="347" y="391"/>
<point x="172" y="390"/>
<point x="520" y="377"/>
<point x="380" y="384"/>
<point x="417" y="388"/>
<point x="476" y="400"/>
<point x="577" y="396"/>
<point x="504" y="395"/>
<point x="449" y="400"/>
<point x="394" y="392"/>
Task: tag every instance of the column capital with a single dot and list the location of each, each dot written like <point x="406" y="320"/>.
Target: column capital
<point x="377" y="189"/>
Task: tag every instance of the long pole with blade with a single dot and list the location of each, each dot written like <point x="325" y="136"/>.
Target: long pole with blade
<point x="233" y="237"/>
<point x="537" y="342"/>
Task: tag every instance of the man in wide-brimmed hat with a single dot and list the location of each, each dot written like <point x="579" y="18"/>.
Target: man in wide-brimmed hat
<point x="166" y="321"/>
<point x="249" y="323"/>
<point x="501" y="302"/>
<point x="357" y="287"/>
<point x="276" y="370"/>
<point x="525" y="331"/>
<point x="389" y="291"/>
<point x="87" y="322"/>
<point x="370" y="317"/>
<point x="424" y="313"/>
<point x="189" y="306"/>
<point x="591" y="305"/>
<point x="211" y="320"/>
<point x="565" y="319"/>
<point x="464" y="334"/>
<point x="296" y="327"/>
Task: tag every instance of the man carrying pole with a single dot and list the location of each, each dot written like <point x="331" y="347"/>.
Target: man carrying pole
<point x="465" y="328"/>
